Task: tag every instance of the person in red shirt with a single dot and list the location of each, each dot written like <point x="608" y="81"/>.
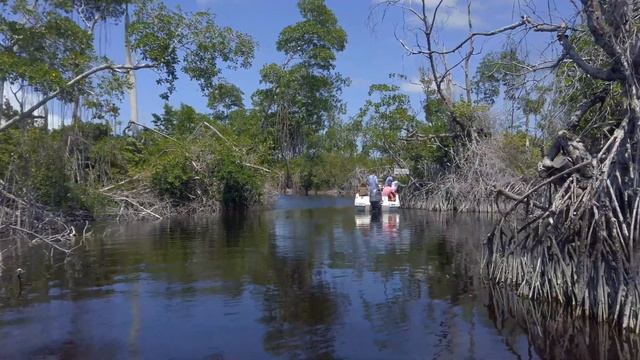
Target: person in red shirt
<point x="388" y="190"/>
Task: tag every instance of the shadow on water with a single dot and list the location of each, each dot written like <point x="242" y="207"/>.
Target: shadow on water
<point x="311" y="278"/>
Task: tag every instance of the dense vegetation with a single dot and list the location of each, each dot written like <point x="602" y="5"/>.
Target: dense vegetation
<point x="294" y="134"/>
<point x="459" y="151"/>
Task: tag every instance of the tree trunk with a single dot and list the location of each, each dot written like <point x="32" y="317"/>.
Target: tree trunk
<point x="75" y="115"/>
<point x="2" y="117"/>
<point x="526" y="129"/>
<point x="467" y="70"/>
<point x="133" y="96"/>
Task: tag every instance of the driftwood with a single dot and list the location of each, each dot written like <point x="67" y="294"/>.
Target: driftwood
<point x="22" y="220"/>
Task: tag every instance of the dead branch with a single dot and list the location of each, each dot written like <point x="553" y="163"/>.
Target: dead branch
<point x="593" y="71"/>
<point x="40" y="237"/>
<point x="134" y="203"/>
<point x="112" y="67"/>
<point x="514" y="197"/>
<point x="585" y="106"/>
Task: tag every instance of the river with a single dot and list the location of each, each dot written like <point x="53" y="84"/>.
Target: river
<point x="311" y="278"/>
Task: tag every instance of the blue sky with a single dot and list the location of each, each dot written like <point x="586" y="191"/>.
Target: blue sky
<point x="372" y="52"/>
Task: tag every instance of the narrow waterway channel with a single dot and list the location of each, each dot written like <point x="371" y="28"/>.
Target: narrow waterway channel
<point x="311" y="278"/>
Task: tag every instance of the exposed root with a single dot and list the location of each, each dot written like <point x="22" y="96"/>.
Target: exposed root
<point x="580" y="250"/>
<point x="471" y="187"/>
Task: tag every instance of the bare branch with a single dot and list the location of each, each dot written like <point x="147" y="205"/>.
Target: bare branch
<point x="585" y="106"/>
<point x="599" y="29"/>
<point x="67" y="251"/>
<point x="220" y="135"/>
<point x="435" y="14"/>
<point x="514" y="197"/>
<point x="53" y="95"/>
<point x="154" y="131"/>
<point x="593" y="71"/>
<point x="470" y="37"/>
<point x="122" y="198"/>
<point x="467" y="58"/>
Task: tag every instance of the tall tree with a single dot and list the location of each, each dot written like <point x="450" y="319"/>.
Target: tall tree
<point x="301" y="97"/>
<point x="131" y="75"/>
<point x="45" y="50"/>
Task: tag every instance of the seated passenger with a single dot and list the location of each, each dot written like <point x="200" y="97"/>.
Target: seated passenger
<point x="389" y="193"/>
<point x="363" y="190"/>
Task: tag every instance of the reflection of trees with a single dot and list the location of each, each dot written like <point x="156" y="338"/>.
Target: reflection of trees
<point x="555" y="334"/>
<point x="300" y="311"/>
<point x="285" y="262"/>
<point x="429" y="265"/>
<point x="300" y="306"/>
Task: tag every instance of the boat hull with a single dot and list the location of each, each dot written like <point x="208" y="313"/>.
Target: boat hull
<point x="362" y="203"/>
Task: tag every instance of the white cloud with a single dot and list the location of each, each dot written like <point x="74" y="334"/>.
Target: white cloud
<point x="412" y="87"/>
<point x="452" y="14"/>
<point x="430" y="4"/>
<point x="454" y="18"/>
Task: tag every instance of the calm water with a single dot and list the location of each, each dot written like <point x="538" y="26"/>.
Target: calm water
<point x="309" y="279"/>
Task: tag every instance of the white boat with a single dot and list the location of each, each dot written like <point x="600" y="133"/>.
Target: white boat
<point x="362" y="203"/>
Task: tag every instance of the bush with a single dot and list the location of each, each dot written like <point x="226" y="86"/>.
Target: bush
<point x="520" y="153"/>
<point x="173" y="176"/>
<point x="239" y="185"/>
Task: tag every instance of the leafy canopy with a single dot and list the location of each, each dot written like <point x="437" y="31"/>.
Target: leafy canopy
<point x="48" y="46"/>
<point x="301" y="96"/>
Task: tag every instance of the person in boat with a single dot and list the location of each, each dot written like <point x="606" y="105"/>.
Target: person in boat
<point x="363" y="190"/>
<point x="375" y="198"/>
<point x="394" y="189"/>
<point x="388" y="189"/>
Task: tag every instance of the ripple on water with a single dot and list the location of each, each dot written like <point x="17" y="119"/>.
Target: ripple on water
<point x="311" y="278"/>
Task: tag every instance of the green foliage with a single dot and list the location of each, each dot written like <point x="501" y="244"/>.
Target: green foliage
<point x="191" y="42"/>
<point x="295" y="124"/>
<point x="223" y="98"/>
<point x="221" y="172"/>
<point x="301" y="98"/>
<point x="48" y="44"/>
<point x="387" y="118"/>
<point x="172" y="175"/>
<point x="240" y="185"/>
<point x="520" y="152"/>
<point x="115" y="159"/>
<point x="496" y="71"/>
<point x="573" y="87"/>
<point x="46" y="164"/>
<point x="180" y="122"/>
<point x="315" y="39"/>
<point x="45" y="50"/>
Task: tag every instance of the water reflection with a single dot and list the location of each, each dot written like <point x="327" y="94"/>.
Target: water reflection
<point x="313" y="280"/>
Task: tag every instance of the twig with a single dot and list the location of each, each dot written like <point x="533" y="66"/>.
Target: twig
<point x="41" y="238"/>
<point x="135" y="204"/>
